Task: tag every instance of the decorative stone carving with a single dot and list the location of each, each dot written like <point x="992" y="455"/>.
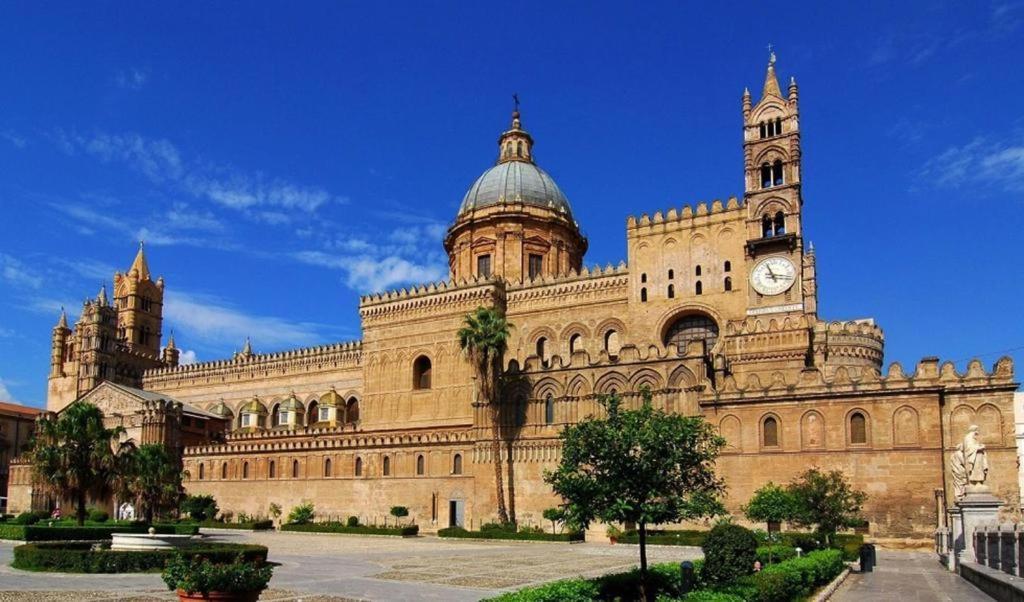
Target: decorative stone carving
<point x="970" y="465"/>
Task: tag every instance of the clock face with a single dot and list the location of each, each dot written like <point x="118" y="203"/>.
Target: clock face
<point x="773" y="276"/>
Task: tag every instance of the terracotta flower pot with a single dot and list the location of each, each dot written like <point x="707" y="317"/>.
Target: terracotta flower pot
<point x="251" y="596"/>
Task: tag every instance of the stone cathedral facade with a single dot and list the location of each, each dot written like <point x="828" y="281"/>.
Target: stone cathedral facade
<point x="715" y="311"/>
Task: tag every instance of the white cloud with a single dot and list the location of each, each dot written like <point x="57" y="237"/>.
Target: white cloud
<point x="131" y="79"/>
<point x="16" y="140"/>
<point x="17" y="274"/>
<point x="981" y="161"/>
<point x="5" y="393"/>
<point x="367" y="274"/>
<point x="187" y="357"/>
<point x="212" y="320"/>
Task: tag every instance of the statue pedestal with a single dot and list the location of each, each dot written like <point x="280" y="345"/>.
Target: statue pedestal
<point x="977" y="508"/>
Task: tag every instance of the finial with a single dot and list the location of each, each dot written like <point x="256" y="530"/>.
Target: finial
<point x="63" y="321"/>
<point x="142" y="243"/>
<point x="170" y="340"/>
<point x="101" y="298"/>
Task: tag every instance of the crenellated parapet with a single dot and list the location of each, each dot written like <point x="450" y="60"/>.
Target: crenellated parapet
<point x="589" y="285"/>
<point x="815" y="383"/>
<point x="326" y="439"/>
<point x="428" y="300"/>
<point x="670" y="219"/>
<point x="306" y="359"/>
<point x="859" y="343"/>
<point x="760" y="339"/>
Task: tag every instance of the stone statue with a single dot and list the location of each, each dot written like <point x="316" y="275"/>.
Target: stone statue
<point x="126" y="512"/>
<point x="970" y="466"/>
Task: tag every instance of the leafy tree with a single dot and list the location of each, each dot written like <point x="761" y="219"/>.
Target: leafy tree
<point x="484" y="339"/>
<point x="641" y="466"/>
<point x="200" y="507"/>
<point x="771" y="504"/>
<point x="555" y="515"/>
<point x="825" y="500"/>
<point x="399" y="512"/>
<point x="729" y="553"/>
<point x="302" y="514"/>
<point x="76" y="457"/>
<point x="151" y="476"/>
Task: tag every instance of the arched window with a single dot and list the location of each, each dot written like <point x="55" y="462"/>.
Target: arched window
<point x="766" y="226"/>
<point x="574" y="343"/>
<point x="245" y="470"/>
<point x="224" y="470"/>
<point x="780" y="223"/>
<point x="770" y="432"/>
<point x="778" y="126"/>
<point x="387" y="466"/>
<point x="327" y="467"/>
<point x="671" y="291"/>
<point x="295" y="469"/>
<point x="611" y="343"/>
<point x="519" y="149"/>
<point x="777" y="178"/>
<point x="352" y="411"/>
<point x="696" y="271"/>
<point x="699" y="289"/>
<point x="457" y="464"/>
<point x="271" y="470"/>
<point x="728" y="266"/>
<point x="312" y="414"/>
<point x="643" y="295"/>
<point x="643" y="277"/>
<point x="766" y="175"/>
<point x="359" y="467"/>
<point x="202" y="471"/>
<point x="421" y="465"/>
<point x="763" y="130"/>
<point x="275" y="415"/>
<point x="858" y="428"/>
<point x="728" y="283"/>
<point x="549" y="409"/>
<point x="421" y="373"/>
<point x="692" y="327"/>
<point x="542" y="350"/>
<point x="671" y="274"/>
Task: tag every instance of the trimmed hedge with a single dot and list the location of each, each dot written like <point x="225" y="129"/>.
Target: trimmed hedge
<point x="81" y="558"/>
<point x="667" y="538"/>
<point x="774" y="554"/>
<point x="90" y="533"/>
<point x="849" y="543"/>
<point x="342" y="528"/>
<point x="259" y="525"/>
<point x="797" y="578"/>
<point x="460" y="533"/>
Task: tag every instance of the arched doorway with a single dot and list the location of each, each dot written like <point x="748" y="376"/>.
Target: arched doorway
<point x="692" y="327"/>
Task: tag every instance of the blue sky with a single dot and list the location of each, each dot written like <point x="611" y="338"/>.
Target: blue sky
<point x="279" y="162"/>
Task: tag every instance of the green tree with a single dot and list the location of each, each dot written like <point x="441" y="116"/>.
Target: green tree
<point x="74" y="456"/>
<point x="826" y="501"/>
<point x="555" y="515"/>
<point x="152" y="477"/>
<point x="641" y="466"/>
<point x="484" y="339"/>
<point x="771" y="504"/>
<point x="399" y="512"/>
<point x="200" y="507"/>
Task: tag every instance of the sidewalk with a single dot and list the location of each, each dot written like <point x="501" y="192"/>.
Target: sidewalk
<point x="907" y="577"/>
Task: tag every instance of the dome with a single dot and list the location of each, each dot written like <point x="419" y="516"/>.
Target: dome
<point x="515" y="182"/>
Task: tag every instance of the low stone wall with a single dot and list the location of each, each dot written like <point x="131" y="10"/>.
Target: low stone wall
<point x="997" y="584"/>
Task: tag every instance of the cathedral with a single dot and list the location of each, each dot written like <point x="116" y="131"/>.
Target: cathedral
<point x="714" y="310"/>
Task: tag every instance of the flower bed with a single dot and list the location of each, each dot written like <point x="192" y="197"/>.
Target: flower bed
<point x="342" y="528"/>
<point x="81" y="558"/>
<point x="460" y="533"/>
<point x="65" y="532"/>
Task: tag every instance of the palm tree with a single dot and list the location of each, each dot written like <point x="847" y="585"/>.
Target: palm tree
<point x="153" y="478"/>
<point x="75" y="456"/>
<point x="484" y="339"/>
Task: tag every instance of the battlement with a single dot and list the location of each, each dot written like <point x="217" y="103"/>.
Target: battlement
<point x="863" y="328"/>
<point x="451" y="296"/>
<point x="327" y="438"/>
<point x="684" y="215"/>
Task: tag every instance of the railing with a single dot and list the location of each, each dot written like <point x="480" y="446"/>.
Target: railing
<point x="1001" y="547"/>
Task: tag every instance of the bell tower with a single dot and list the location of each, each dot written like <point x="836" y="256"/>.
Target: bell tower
<point x="772" y="195"/>
<point x="139" y="302"/>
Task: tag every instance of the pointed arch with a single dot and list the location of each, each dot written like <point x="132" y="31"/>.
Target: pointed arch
<point x="645" y="377"/>
<point x="578" y="386"/>
<point x="611" y="382"/>
<point x="770" y="431"/>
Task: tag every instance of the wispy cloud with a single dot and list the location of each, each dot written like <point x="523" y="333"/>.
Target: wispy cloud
<point x="214" y="321"/>
<point x="131" y="79"/>
<point x="366" y="274"/>
<point x="981" y="161"/>
<point x="18" y="274"/>
<point x="5" y="393"/>
<point x="15" y="139"/>
<point x="187" y="357"/>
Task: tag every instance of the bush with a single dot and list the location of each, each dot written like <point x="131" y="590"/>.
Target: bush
<point x="336" y="527"/>
<point x="460" y="533"/>
<point x="197" y="574"/>
<point x="97" y="516"/>
<point x="27" y="518"/>
<point x="773" y="554"/>
<point x="72" y="532"/>
<point x="797" y="578"/>
<point x="302" y="514"/>
<point x="729" y="553"/>
<point x="707" y="595"/>
<point x="258" y="525"/>
<point x="81" y="558"/>
<point x="568" y="590"/>
<point x="353" y="521"/>
<point x="848" y="544"/>
<point x="399" y="511"/>
<point x="200" y="507"/>
<point x="505" y="527"/>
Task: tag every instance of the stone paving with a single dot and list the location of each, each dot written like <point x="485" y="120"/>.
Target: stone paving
<point x="337" y="568"/>
<point x="907" y="577"/>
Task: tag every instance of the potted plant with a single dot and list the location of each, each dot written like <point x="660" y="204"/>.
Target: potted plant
<point x="199" y="579"/>
<point x="613" y="533"/>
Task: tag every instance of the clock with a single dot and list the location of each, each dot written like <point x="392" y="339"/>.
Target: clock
<point x="773" y="276"/>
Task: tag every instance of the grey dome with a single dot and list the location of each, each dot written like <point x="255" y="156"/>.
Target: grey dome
<point x="515" y="182"/>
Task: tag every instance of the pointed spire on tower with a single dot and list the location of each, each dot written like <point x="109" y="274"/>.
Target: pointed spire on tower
<point x="170" y="341"/>
<point x="101" y="297"/>
<point x="515" y="144"/>
<point x="63" y="321"/>
<point x="140" y="266"/>
<point x="247" y="349"/>
<point x="771" y="83"/>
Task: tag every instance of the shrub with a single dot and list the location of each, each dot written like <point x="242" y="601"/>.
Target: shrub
<point x="79" y="557"/>
<point x="772" y="554"/>
<point x="797" y="578"/>
<point x="399" y="511"/>
<point x="460" y="533"/>
<point x="729" y="553"/>
<point x="568" y="590"/>
<point x="667" y="538"/>
<point x="97" y="516"/>
<point x="353" y="521"/>
<point x="508" y="527"/>
<point x="302" y="514"/>
<point x="336" y="527"/>
<point x="258" y="525"/>
<point x="848" y="544"/>
<point x="27" y="518"/>
<point x="200" y="507"/>
<point x="197" y="574"/>
<point x="711" y="596"/>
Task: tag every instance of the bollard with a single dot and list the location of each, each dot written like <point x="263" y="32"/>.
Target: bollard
<point x="867" y="556"/>
<point x="686" y="572"/>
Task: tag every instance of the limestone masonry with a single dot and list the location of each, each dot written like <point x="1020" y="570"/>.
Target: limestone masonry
<point x="714" y="310"/>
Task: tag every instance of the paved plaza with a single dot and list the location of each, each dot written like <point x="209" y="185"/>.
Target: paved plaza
<point x="326" y="568"/>
<point x="903" y="576"/>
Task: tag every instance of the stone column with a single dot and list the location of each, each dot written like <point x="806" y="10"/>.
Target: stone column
<point x="977" y="509"/>
<point x="956" y="537"/>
